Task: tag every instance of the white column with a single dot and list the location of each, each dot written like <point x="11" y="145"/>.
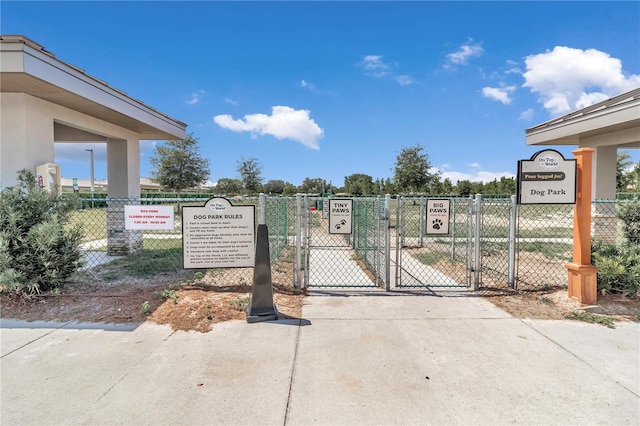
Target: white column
<point x="604" y="172"/>
<point x="123" y="168"/>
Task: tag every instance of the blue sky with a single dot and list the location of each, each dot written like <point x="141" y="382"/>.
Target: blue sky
<point x="328" y="89"/>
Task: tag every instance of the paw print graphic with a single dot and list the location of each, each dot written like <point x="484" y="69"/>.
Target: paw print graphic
<point x="437" y="224"/>
<point x="341" y="224"/>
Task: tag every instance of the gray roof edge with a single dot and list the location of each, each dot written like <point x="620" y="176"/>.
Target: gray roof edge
<point x="622" y="100"/>
<point x="36" y="49"/>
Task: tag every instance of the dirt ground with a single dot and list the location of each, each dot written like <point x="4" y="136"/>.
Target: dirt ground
<point x="206" y="300"/>
<point x="195" y="305"/>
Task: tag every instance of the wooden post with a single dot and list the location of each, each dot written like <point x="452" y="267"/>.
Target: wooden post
<point x="582" y="274"/>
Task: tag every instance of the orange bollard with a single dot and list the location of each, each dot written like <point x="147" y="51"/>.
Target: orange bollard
<point x="582" y="274"/>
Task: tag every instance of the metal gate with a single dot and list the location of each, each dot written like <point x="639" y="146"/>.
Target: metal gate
<point x="336" y="258"/>
<point x="391" y="244"/>
<point x="423" y="259"/>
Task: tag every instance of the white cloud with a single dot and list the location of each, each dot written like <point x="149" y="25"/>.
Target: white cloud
<point x="527" y="115"/>
<point x="474" y="173"/>
<point x="481" y="175"/>
<point x="283" y="123"/>
<point x="500" y="94"/>
<point x="310" y="86"/>
<point x="195" y="97"/>
<point x="375" y="66"/>
<point x="463" y="54"/>
<point x="566" y="78"/>
<point x="230" y="101"/>
<point x="404" y="80"/>
<point x="513" y="67"/>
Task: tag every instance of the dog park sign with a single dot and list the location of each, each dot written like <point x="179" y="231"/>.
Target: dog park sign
<point x="218" y="235"/>
<point x="547" y="178"/>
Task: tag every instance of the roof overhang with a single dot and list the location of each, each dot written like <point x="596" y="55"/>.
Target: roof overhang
<point x="619" y="116"/>
<point x="26" y="67"/>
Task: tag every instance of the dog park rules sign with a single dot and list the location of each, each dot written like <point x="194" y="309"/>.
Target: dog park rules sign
<point x="218" y="235"/>
<point x="340" y="216"/>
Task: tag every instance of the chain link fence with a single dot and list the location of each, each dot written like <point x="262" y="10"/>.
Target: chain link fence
<point x="114" y="254"/>
<point x="493" y="242"/>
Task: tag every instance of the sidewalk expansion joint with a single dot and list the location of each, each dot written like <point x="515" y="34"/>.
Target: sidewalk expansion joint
<point x="293" y="372"/>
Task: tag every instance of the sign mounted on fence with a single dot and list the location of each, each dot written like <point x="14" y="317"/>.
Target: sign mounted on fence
<point x="547" y="178"/>
<point x="148" y="217"/>
<point x="218" y="235"/>
<point x="438" y="214"/>
<point x="340" y="216"/>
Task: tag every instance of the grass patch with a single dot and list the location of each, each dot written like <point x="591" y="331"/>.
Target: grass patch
<point x="430" y="258"/>
<point x="149" y="262"/>
<point x="591" y="318"/>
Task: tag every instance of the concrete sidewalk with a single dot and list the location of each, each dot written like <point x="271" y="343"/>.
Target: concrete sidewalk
<point x="363" y="357"/>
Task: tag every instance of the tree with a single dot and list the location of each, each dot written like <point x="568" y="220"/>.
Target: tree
<point x="250" y="171"/>
<point x="447" y="187"/>
<point x="289" y="189"/>
<point x="464" y="188"/>
<point x="358" y="184"/>
<point x="274" y="186"/>
<point x="623" y="177"/>
<point x="412" y="169"/>
<point x="313" y="186"/>
<point x="178" y="164"/>
<point x="228" y="186"/>
<point x="39" y="244"/>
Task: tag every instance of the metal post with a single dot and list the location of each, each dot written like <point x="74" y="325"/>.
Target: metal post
<point x="453" y="230"/>
<point x="398" y="241"/>
<point x="422" y="219"/>
<point x="387" y="241"/>
<point x="262" y="209"/>
<point x="93" y="186"/>
<point x="478" y="257"/>
<point x="307" y="240"/>
<point x="512" y="241"/>
<point x="298" y="265"/>
<point x="469" y="239"/>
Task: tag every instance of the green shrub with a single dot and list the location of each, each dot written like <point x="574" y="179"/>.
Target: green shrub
<point x="618" y="267"/>
<point x="39" y="248"/>
<point x="629" y="213"/>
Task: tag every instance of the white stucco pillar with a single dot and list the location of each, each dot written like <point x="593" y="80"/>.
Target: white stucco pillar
<point x="123" y="167"/>
<point x="123" y="174"/>
<point x="604" y="172"/>
<point x="604" y="222"/>
<point x="26" y="137"/>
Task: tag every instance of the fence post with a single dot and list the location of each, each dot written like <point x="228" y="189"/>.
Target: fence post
<point x="478" y="257"/>
<point x="298" y="259"/>
<point x="511" y="280"/>
<point x="307" y="240"/>
<point x="262" y="220"/>
<point x="469" y="238"/>
<point x="387" y="242"/>
<point x="422" y="219"/>
<point x="582" y="274"/>
<point x="453" y="230"/>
